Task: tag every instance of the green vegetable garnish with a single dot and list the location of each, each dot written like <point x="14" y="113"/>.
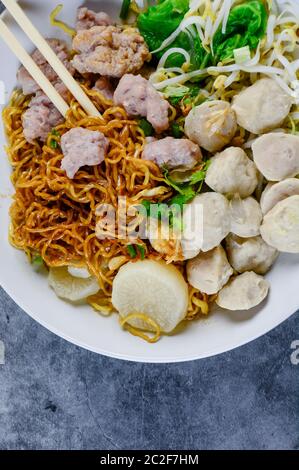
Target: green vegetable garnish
<point x="200" y="175"/>
<point x="159" y="22"/>
<point x="187" y="191"/>
<point x="53" y="143"/>
<point x="131" y="251"/>
<point x="124" y="12"/>
<point x="246" y="25"/>
<point x="186" y="195"/>
<point x="176" y="130"/>
<point x="141" y="250"/>
<point x="37" y="262"/>
<point x="146" y="127"/>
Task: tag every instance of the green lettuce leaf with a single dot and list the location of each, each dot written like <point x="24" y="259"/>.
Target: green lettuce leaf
<point x="246" y="25"/>
<point x="159" y="22"/>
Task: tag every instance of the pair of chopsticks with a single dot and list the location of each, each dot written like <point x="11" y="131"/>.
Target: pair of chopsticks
<point x="23" y="21"/>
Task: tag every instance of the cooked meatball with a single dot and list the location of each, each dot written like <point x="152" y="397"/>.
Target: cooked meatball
<point x="262" y="106"/>
<point x="209" y="271"/>
<point x="212" y="125"/>
<point x="40" y="118"/>
<point x="277" y="155"/>
<point x="29" y="86"/>
<point x="104" y="86"/>
<point x="280" y="228"/>
<point x="110" y="51"/>
<point x="86" y="19"/>
<point x="82" y="147"/>
<point x="276" y="192"/>
<point x="206" y="222"/>
<point x="173" y="153"/>
<point x="139" y="98"/>
<point x="246" y="217"/>
<point x="250" y="254"/>
<point x="243" y="292"/>
<point x="232" y="172"/>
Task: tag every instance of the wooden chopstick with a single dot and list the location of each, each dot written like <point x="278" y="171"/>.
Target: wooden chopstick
<point x="39" y="41"/>
<point x="33" y="69"/>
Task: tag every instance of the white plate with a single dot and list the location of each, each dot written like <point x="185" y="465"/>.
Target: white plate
<point x="80" y="325"/>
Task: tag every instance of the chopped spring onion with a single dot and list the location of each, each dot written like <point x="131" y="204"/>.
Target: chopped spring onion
<point x="242" y="55"/>
<point x="176" y="130"/>
<point x="125" y="8"/>
<point x="60" y="24"/>
<point x="141" y="250"/>
<point x="146" y="126"/>
<point x="37" y="262"/>
<point x="131" y="251"/>
<point x="53" y="144"/>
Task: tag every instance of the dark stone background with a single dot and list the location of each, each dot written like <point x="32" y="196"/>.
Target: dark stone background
<point x="54" y="395"/>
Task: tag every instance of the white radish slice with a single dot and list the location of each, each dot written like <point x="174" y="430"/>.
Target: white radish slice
<point x="280" y="227"/>
<point x="72" y="288"/>
<point x="81" y="273"/>
<point x="276" y="192"/>
<point x="151" y="288"/>
<point x="243" y="292"/>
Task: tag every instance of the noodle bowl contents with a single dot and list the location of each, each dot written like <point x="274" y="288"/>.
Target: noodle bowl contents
<point x="182" y="193"/>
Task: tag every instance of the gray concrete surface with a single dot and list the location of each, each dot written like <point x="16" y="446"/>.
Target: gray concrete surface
<point x="54" y="395"/>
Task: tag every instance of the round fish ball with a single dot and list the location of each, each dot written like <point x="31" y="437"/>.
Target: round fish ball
<point x="276" y="155"/>
<point x="250" y="254"/>
<point x="232" y="172"/>
<point x="209" y="271"/>
<point x="262" y="106"/>
<point x="243" y="292"/>
<point x="246" y="217"/>
<point x="206" y="223"/>
<point x="212" y="125"/>
<point x="280" y="228"/>
<point x="276" y="192"/>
